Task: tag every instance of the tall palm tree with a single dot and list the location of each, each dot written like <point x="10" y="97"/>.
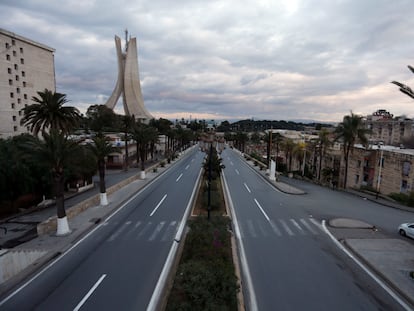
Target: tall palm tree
<point x="143" y="135"/>
<point x="127" y="122"/>
<point x="350" y="131"/>
<point x="101" y="148"/>
<point x="323" y="143"/>
<point x="48" y="112"/>
<point x="56" y="152"/>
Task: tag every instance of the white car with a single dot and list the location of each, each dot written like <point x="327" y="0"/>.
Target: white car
<point x="406" y="229"/>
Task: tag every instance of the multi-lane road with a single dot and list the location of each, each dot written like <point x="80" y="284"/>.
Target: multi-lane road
<point x="117" y="266"/>
<point x="288" y="262"/>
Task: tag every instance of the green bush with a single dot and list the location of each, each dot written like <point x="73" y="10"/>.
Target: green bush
<point x="205" y="279"/>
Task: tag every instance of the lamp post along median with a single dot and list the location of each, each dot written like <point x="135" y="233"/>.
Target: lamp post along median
<point x="379" y="171"/>
<point x="209" y="181"/>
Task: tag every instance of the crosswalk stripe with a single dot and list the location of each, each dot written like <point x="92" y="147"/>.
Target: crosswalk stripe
<point x="157" y="230"/>
<point x="286" y="227"/>
<point x="119" y="231"/>
<point x="144" y="230"/>
<point x="275" y="228"/>
<point x="169" y="231"/>
<point x="251" y="229"/>
<point x="262" y="229"/>
<point x="297" y="226"/>
<point x="308" y="226"/>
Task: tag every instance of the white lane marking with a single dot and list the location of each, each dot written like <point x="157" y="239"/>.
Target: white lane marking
<point x="179" y="177"/>
<point x="158" y="205"/>
<point x="119" y="231"/>
<point x="285" y="226"/>
<point x="187" y="166"/>
<point x="162" y="280"/>
<point x="261" y="209"/>
<point x="275" y="228"/>
<point x="247" y="188"/>
<point x="297" y="226"/>
<point x="80" y="304"/>
<point x="157" y="230"/>
<point x="303" y="221"/>
<point x="231" y="163"/>
<point x="243" y="259"/>
<point x="367" y="271"/>
<point x="237" y="171"/>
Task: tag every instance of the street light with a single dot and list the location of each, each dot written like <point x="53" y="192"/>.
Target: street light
<point x="379" y="171"/>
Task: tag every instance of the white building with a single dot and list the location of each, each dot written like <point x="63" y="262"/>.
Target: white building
<point x="26" y="67"/>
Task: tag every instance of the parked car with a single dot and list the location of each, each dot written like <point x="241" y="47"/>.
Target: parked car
<point x="406" y="229"/>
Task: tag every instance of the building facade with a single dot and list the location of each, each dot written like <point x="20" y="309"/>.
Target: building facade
<point x="388" y="129"/>
<point x="26" y="67"/>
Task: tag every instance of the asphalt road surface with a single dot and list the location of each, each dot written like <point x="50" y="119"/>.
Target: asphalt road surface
<point x="290" y="263"/>
<point x="117" y="266"/>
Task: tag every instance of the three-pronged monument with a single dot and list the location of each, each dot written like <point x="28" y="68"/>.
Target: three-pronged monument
<point x="128" y="84"/>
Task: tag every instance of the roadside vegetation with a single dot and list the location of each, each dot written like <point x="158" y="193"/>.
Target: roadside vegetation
<point x="205" y="278"/>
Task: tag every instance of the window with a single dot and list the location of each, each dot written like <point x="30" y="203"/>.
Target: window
<point x="406" y="168"/>
<point x="25" y="96"/>
<point x="21" y="61"/>
<point x="17" y="78"/>
<point x="16" y="67"/>
<point x="356" y="179"/>
<point x="20" y="112"/>
<point x="24" y="83"/>
<point x="359" y="163"/>
<point x="18" y="90"/>
<point x="21" y="50"/>
<point x="13" y="42"/>
<point x="14" y="118"/>
<point x="10" y="82"/>
<point x="11" y="95"/>
<point x="7" y="45"/>
<point x="7" y="56"/>
<point x="13" y="105"/>
<point x="9" y="70"/>
<point x="15" y="128"/>
<point x="23" y="74"/>
<point x="14" y="53"/>
<point x="19" y="101"/>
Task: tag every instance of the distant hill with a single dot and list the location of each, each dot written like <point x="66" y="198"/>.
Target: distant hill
<point x="262" y="125"/>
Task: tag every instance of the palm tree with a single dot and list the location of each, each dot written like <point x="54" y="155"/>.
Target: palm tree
<point x="101" y="148"/>
<point x="48" y="112"/>
<point x="143" y="135"/>
<point x="56" y="152"/>
<point x="351" y="130"/>
<point x="404" y="88"/>
<point x="127" y="122"/>
<point x="323" y="143"/>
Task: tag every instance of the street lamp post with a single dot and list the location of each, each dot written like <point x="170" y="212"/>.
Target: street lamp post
<point x="209" y="181"/>
<point x="379" y="172"/>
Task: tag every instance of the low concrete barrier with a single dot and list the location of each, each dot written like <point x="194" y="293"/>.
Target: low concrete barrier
<point x="12" y="262"/>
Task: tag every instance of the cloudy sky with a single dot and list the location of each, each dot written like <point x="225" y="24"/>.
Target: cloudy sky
<point x="231" y="59"/>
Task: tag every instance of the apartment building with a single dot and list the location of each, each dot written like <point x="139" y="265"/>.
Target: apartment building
<point x="389" y="129"/>
<point x="26" y="67"/>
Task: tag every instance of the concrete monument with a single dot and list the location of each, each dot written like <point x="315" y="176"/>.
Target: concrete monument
<point x="128" y="83"/>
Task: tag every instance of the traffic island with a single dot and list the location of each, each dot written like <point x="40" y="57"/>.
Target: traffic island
<point x="205" y="278"/>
